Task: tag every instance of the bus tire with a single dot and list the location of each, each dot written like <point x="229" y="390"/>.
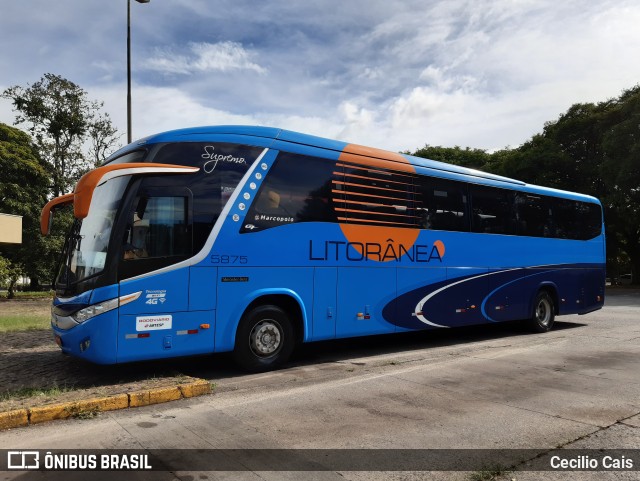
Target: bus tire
<point x="543" y="313"/>
<point x="264" y="340"/>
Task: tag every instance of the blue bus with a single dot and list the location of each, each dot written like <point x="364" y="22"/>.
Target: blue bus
<point x="255" y="239"/>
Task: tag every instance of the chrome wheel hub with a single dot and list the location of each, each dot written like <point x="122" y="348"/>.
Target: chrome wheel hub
<point x="543" y="312"/>
<point x="266" y="338"/>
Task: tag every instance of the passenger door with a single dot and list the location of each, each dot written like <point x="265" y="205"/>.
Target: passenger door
<point x="157" y="237"/>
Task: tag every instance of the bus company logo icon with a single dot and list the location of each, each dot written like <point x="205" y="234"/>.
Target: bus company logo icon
<point x="22" y="460"/>
<point x="153" y="323"/>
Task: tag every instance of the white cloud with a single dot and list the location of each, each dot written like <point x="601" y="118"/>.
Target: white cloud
<point x="351" y="115"/>
<point x="204" y="57"/>
<point x="157" y="109"/>
<point x="494" y="72"/>
<point x="223" y="56"/>
<point x="478" y="73"/>
<point x="7" y="115"/>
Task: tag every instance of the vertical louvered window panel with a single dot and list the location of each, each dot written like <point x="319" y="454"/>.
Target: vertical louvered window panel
<point x="373" y="196"/>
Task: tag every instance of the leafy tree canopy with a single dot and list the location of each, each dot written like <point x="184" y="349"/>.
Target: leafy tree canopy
<point x="23" y="191"/>
<point x="593" y="149"/>
<point x="65" y="124"/>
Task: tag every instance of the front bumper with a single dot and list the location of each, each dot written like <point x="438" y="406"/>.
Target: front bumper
<point x="94" y="340"/>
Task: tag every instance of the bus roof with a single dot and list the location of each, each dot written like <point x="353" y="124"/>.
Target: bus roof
<point x="276" y="134"/>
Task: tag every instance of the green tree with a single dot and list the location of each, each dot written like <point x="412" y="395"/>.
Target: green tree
<point x="103" y="138"/>
<point x="62" y="120"/>
<point x="9" y="275"/>
<point x="467" y="157"/>
<point x="593" y="149"/>
<point x="621" y="176"/>
<point x="23" y="191"/>
<point x="5" y="265"/>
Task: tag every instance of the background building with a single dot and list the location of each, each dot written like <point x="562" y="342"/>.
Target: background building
<point x="10" y="229"/>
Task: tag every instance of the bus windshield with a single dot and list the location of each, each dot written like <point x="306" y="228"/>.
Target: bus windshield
<point x="86" y="247"/>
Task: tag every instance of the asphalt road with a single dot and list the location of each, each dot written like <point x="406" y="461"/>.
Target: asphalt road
<point x="490" y="387"/>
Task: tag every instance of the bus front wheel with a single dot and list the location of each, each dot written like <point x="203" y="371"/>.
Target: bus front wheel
<point x="264" y="339"/>
<point x="543" y="313"/>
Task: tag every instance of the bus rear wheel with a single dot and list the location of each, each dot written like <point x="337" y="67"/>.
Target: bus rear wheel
<point x="264" y="340"/>
<point x="543" y="313"/>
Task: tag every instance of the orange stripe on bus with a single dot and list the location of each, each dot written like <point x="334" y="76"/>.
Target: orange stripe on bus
<point x="366" y="221"/>
<point x="342" y="209"/>
<point x="367" y="186"/>
<point x="359" y="154"/>
<point x="370" y="169"/>
<point x="349" y="201"/>
<point x="346" y="192"/>
<point x="370" y="178"/>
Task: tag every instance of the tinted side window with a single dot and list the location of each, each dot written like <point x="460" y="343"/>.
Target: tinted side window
<point x="297" y="189"/>
<point x="492" y="210"/>
<point x="441" y="204"/>
<point x="137" y="156"/>
<point x="534" y="215"/>
<point x="591" y="220"/>
<point x="577" y="220"/>
<point x="158" y="228"/>
<point x="222" y="165"/>
<point x="564" y="217"/>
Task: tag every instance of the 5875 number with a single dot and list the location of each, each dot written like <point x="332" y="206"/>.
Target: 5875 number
<point x="228" y="259"/>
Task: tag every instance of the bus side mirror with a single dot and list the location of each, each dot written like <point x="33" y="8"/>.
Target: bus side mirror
<point x="50" y="223"/>
<point x="46" y="217"/>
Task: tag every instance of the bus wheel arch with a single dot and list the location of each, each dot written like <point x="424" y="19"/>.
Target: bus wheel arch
<point x="544" y="309"/>
<point x="269" y="329"/>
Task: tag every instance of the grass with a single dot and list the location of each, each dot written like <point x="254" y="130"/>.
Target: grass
<point x="30" y="392"/>
<point x="79" y="413"/>
<point x="33" y="295"/>
<point x="35" y="397"/>
<point x="23" y="323"/>
<point x="28" y="311"/>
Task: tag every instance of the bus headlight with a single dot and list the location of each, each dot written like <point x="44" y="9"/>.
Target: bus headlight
<point x="105" y="306"/>
<point x="88" y="312"/>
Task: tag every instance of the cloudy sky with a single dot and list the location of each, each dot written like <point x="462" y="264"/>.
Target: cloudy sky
<point x="390" y="74"/>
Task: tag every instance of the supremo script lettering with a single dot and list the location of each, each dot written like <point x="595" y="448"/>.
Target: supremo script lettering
<point x="214" y="158"/>
<point x="371" y="251"/>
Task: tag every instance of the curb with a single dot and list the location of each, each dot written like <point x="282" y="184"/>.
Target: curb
<point x="90" y="407"/>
